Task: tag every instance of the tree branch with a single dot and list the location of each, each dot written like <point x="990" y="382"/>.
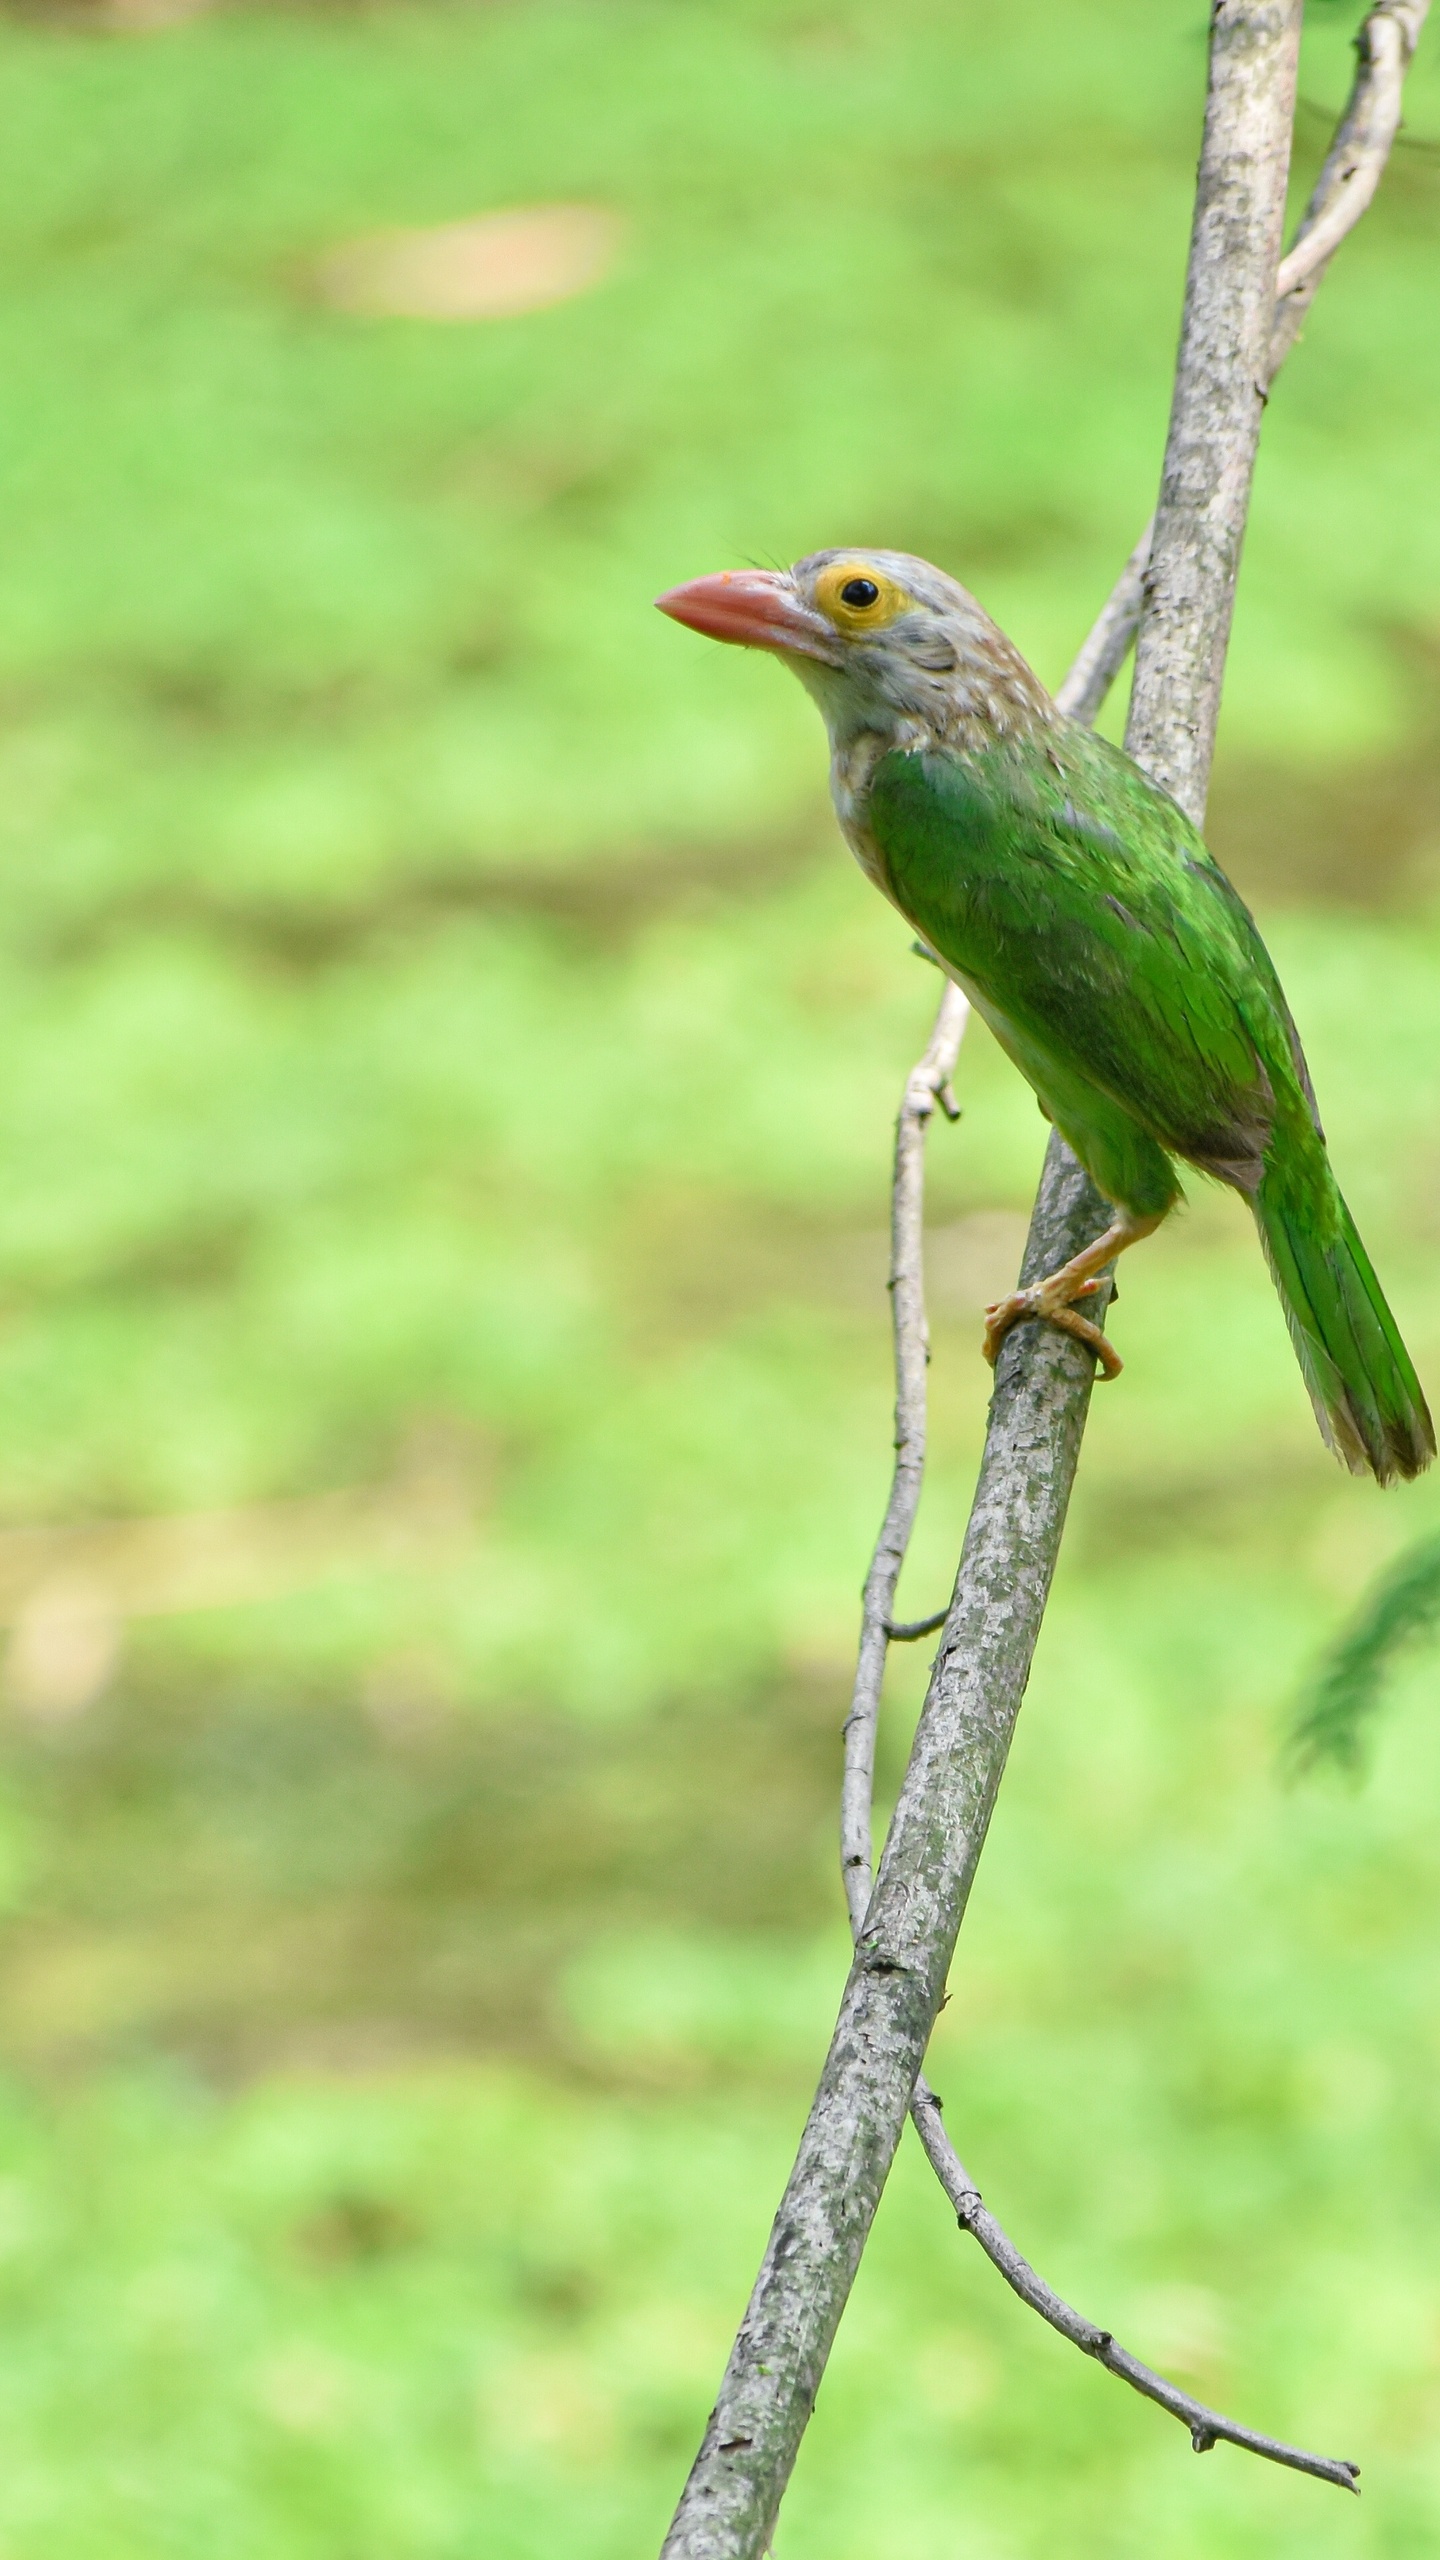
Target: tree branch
<point x="905" y="1934"/>
<point x="1220" y="390"/>
<point x="1207" y="2427"/>
<point x="1354" y="164"/>
<point x="1345" y="188"/>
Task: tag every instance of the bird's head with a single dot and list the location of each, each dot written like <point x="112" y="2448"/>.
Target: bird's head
<point x="882" y="640"/>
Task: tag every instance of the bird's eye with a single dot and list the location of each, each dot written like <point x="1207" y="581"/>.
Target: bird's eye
<point x="860" y="593"/>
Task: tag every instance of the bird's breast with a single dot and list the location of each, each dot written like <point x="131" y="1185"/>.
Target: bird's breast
<point x="852" y="766"/>
<point x="867" y="853"/>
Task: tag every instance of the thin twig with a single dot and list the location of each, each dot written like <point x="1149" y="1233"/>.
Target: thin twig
<point x="927" y="1080"/>
<point x="1207" y="2427"/>
<point x="917" y="1627"/>
<point x="1344" y="190"/>
<point x="1354" y="164"/>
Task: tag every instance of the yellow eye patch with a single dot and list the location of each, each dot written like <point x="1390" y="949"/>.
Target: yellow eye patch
<point x="857" y="597"/>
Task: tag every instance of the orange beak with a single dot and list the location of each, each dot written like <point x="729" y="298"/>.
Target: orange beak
<point x="755" y="608"/>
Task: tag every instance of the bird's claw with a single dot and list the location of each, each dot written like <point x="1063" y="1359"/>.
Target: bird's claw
<point x="1036" y="1303"/>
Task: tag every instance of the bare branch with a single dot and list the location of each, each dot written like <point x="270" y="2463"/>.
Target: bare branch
<point x="924" y="1085"/>
<point x="1219" y="395"/>
<point x="917" y="1628"/>
<point x="1207" y="2427"/>
<point x="1354" y="166"/>
<point x="908" y="1931"/>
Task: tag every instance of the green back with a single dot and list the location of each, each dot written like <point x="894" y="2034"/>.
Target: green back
<point x="1084" y="910"/>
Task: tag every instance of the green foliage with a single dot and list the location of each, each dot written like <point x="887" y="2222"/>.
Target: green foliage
<point x="447" y="1075"/>
<point x="1403" y="1605"/>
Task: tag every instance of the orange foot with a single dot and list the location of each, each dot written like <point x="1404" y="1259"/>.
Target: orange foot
<point x="1049" y="1302"/>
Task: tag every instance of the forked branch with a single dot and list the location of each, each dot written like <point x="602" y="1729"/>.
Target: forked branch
<point x="1354" y="164"/>
<point x="1344" y="190"/>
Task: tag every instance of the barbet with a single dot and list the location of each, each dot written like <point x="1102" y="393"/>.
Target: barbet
<point x="1080" y="911"/>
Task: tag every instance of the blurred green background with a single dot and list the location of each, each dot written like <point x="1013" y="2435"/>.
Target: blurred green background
<point x="448" y="1065"/>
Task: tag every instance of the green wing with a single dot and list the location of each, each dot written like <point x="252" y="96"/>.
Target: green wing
<point x="1129" y="983"/>
<point x="1082" y="907"/>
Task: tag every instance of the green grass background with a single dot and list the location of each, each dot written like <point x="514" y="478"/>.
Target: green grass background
<point x="444" y="1049"/>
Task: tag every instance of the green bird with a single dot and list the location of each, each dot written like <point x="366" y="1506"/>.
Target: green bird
<point x="1081" y="913"/>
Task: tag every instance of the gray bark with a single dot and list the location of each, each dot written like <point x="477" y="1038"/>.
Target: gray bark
<point x="1221" y="381"/>
<point x="1345" y="188"/>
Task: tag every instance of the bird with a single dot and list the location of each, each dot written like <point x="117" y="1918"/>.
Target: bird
<point x="1085" y="919"/>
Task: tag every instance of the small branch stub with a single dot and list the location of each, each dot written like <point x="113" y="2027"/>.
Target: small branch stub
<point x="917" y="1628"/>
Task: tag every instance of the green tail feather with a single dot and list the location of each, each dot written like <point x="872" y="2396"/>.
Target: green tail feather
<point x="1362" y="1382"/>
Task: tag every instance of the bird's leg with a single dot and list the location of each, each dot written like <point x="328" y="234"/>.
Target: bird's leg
<point x="1052" y="1299"/>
